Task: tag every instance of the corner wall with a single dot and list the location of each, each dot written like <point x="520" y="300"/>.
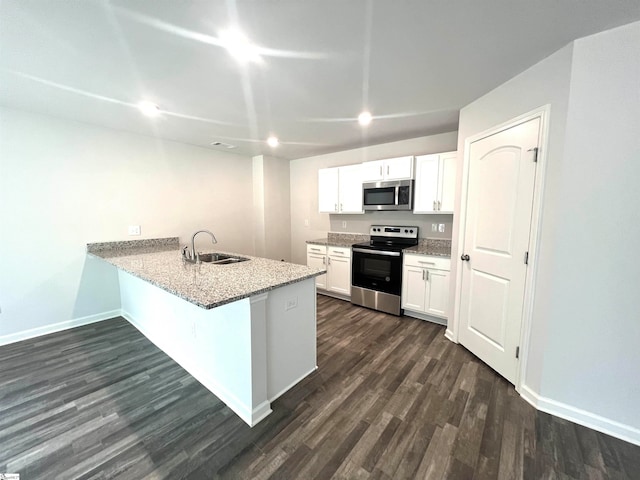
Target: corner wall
<point x="64" y="184"/>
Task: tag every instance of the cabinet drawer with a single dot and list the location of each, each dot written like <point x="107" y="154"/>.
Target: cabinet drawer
<point x="426" y="261"/>
<point x="317" y="249"/>
<point x="339" y="252"/>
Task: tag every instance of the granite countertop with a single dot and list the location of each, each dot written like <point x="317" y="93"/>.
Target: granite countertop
<point x="340" y="239"/>
<point x="436" y="247"/>
<point x="159" y="262"/>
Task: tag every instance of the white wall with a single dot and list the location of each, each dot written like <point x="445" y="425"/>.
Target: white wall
<point x="63" y="184"/>
<point x="583" y="361"/>
<point x="304" y="192"/>
<point x="591" y="304"/>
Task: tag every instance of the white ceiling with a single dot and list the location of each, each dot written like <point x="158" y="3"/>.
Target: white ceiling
<point x="413" y="64"/>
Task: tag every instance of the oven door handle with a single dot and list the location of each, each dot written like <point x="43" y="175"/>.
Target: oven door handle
<point x="377" y="252"/>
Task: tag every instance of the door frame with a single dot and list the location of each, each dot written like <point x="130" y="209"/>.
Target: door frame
<point x="452" y="332"/>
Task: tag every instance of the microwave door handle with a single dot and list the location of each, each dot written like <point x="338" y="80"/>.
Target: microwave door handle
<point x="397" y="189"/>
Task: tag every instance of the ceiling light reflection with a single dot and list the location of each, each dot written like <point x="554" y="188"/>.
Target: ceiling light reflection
<point x="273" y="142"/>
<point x="364" y="118"/>
<point x="239" y="47"/>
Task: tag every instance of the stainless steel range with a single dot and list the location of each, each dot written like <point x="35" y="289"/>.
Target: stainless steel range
<point x="376" y="268"/>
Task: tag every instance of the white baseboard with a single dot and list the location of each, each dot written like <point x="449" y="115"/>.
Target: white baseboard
<point x="581" y="417"/>
<point x="290" y="386"/>
<point x="57" y="327"/>
<point x="426" y="317"/>
<point x="449" y="334"/>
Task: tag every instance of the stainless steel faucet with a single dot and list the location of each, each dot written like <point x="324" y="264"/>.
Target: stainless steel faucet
<point x="192" y="256"/>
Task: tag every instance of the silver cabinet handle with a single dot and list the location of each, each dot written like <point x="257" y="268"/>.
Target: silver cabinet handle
<point x="427" y="275"/>
<point x="434" y="205"/>
<point x="340" y="207"/>
<point x="423" y="274"/>
<point x="335" y="207"/>
<point x="387" y="169"/>
<point x="380" y="170"/>
<point x="324" y="260"/>
<point x="439" y="205"/>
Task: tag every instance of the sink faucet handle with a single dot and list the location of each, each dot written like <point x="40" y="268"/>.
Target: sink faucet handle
<point x="184" y="251"/>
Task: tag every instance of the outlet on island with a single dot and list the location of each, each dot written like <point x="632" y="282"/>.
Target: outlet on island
<point x="291" y="303"/>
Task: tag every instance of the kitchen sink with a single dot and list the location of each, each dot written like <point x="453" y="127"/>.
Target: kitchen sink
<point x="220" y="258"/>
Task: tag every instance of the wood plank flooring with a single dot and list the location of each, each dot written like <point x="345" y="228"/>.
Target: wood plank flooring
<point x="392" y="399"/>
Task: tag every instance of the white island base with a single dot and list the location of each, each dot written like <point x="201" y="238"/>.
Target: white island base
<point x="247" y="353"/>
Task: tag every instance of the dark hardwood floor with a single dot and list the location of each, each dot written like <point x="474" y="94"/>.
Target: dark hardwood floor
<point x="392" y="399"/>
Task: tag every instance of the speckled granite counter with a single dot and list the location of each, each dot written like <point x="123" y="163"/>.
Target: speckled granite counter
<point x="436" y="247"/>
<point x="159" y="262"/>
<point x="340" y="239"/>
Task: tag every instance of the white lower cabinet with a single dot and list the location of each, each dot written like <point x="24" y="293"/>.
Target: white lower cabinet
<point x="317" y="257"/>
<point x="337" y="261"/>
<point x="425" y="285"/>
<point x="339" y="270"/>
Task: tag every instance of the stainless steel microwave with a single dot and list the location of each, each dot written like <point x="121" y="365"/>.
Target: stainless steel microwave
<point x="395" y="195"/>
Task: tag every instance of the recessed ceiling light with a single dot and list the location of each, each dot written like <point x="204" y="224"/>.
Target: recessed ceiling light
<point x="216" y="143"/>
<point x="364" y="118"/>
<point x="273" y="141"/>
<point x="150" y="109"/>
<point x="238" y="46"/>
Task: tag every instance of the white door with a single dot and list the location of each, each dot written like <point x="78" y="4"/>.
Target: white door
<point x="328" y="190"/>
<point x="438" y="292"/>
<point x="373" y="171"/>
<point x="414" y="288"/>
<point x="400" y="168"/>
<point x="339" y="275"/>
<point x="447" y="181"/>
<point x="496" y="237"/>
<point x="426" y="184"/>
<point x="318" y="261"/>
<point x="350" y="189"/>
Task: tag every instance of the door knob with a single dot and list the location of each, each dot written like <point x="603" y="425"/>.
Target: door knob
<point x="465" y="258"/>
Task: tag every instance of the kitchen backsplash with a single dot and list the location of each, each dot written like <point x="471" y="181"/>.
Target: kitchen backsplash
<point x="360" y="224"/>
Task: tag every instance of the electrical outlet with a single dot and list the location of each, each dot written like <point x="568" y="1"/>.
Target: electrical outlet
<point x="344" y="224"/>
<point x="291" y="303"/>
<point x="134" y="229"/>
<point x="434" y="227"/>
<point x="441" y="227"/>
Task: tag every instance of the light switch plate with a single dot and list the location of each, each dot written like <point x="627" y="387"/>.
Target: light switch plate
<point x="134" y="229"/>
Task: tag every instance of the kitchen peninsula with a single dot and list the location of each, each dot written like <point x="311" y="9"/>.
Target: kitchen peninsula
<point x="246" y="331"/>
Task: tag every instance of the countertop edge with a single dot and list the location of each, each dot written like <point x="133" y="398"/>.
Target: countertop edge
<point x="209" y="306"/>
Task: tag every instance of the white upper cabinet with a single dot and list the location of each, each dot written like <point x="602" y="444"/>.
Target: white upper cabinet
<point x="328" y="190"/>
<point x="340" y="189"/>
<point x="435" y="183"/>
<point x="400" y="168"/>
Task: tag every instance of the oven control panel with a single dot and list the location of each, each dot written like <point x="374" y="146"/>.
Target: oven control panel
<point x="394" y="231"/>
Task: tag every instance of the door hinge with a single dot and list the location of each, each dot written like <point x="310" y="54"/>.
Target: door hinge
<point x="517" y="352"/>
<point x="526" y="258"/>
<point x="535" y="153"/>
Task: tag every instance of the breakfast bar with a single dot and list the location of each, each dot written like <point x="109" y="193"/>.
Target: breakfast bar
<point x="246" y="330"/>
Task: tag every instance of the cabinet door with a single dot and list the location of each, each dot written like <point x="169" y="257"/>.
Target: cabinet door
<point x="328" y="190"/>
<point x="350" y="189"/>
<point x="339" y="275"/>
<point x="413" y="288"/>
<point x="426" y="186"/>
<point x="400" y="168"/>
<point x="373" y="171"/>
<point x="447" y="181"/>
<point x="437" y="293"/>
<point x="318" y="261"/>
